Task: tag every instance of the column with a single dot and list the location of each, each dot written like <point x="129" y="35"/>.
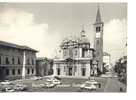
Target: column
<point x="79" y="70"/>
<point x="88" y="69"/>
<point x="80" y="52"/>
<point x="54" y="69"/>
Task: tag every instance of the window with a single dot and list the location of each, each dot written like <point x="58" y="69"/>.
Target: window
<point x="58" y="71"/>
<point x="7" y="60"/>
<point x="13" y="61"/>
<point x="0" y="59"/>
<point x="19" y="72"/>
<point x="32" y="71"/>
<point x="83" y="71"/>
<point x="28" y="71"/>
<point x="13" y="71"/>
<point x="83" y="52"/>
<point x="32" y="61"/>
<point x="70" y="52"/>
<point x="28" y="61"/>
<point x="75" y="68"/>
<point x="19" y="61"/>
<point x="98" y="29"/>
<point x="7" y="71"/>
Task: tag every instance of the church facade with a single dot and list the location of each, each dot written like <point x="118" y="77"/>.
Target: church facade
<point x="78" y="58"/>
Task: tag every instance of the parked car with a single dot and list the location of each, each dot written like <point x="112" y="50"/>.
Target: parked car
<point x="20" y="87"/>
<point x="90" y="85"/>
<point x="7" y="89"/>
<point x="49" y="85"/>
<point x="53" y="80"/>
<point x="6" y="82"/>
<point x="38" y="85"/>
<point x="36" y="78"/>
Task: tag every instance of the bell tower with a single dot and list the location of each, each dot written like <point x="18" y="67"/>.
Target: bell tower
<point x="98" y="40"/>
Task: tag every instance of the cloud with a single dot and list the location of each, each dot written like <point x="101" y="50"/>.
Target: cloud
<point x="115" y="35"/>
<point x="20" y="27"/>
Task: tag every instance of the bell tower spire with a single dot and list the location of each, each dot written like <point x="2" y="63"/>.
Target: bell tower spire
<point x="98" y="15"/>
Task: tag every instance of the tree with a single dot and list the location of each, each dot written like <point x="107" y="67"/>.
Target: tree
<point x="121" y="69"/>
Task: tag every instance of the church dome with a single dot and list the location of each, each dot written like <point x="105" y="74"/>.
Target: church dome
<point x="75" y="40"/>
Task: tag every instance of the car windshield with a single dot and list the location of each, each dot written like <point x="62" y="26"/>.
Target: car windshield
<point x="88" y="84"/>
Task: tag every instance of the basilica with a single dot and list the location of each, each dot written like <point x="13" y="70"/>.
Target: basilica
<point x="78" y="58"/>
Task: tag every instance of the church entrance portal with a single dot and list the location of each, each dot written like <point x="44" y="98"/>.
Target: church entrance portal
<point x="70" y="71"/>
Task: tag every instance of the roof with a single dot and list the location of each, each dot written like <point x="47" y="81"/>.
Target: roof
<point x="11" y="45"/>
<point x="76" y="41"/>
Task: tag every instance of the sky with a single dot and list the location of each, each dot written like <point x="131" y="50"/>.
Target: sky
<point x="43" y="26"/>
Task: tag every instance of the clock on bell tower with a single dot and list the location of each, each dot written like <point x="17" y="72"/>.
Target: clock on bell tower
<point x="98" y="40"/>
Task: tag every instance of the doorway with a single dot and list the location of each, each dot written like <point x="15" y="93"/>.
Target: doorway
<point x="70" y="72"/>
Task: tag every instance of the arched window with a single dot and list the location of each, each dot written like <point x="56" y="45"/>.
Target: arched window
<point x="98" y="29"/>
<point x="19" y="61"/>
<point x="7" y="60"/>
<point x="13" y="60"/>
<point x="32" y="71"/>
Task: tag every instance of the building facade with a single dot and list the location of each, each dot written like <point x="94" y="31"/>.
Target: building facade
<point x="44" y="66"/>
<point x="16" y="61"/>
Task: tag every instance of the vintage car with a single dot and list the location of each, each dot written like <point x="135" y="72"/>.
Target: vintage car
<point x="53" y="80"/>
<point x="90" y="85"/>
